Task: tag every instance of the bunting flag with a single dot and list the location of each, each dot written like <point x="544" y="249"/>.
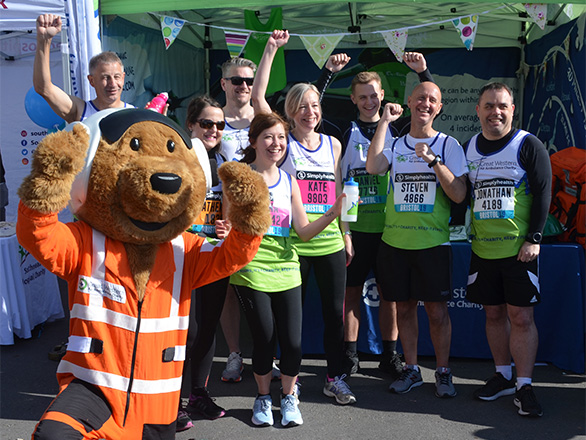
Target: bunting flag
<point x="170" y="28"/>
<point x="320" y="47"/>
<point x="236" y="42"/>
<point x="467" y="27"/>
<point x="396" y="40"/>
<point x="538" y="12"/>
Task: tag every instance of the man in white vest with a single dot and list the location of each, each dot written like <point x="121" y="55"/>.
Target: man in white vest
<point x="427" y="172"/>
<point x="106" y="77"/>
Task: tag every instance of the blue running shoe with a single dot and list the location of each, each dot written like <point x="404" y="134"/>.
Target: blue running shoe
<point x="262" y="414"/>
<point x="290" y="411"/>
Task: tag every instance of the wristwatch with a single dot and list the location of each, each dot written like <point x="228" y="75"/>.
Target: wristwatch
<point x="534" y="238"/>
<point x="437" y="159"/>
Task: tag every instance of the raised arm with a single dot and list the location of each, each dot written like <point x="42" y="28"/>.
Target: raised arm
<point x="66" y="106"/>
<point x="261" y="80"/>
<point x="376" y="161"/>
<point x="416" y="61"/>
<point x="334" y="64"/>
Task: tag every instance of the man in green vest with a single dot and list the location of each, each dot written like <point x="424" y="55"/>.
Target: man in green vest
<point x="510" y="174"/>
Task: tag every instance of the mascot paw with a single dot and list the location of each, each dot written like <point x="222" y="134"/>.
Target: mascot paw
<point x="248" y="198"/>
<point x="56" y="161"/>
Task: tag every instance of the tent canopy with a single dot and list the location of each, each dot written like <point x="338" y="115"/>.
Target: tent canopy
<point x="428" y="21"/>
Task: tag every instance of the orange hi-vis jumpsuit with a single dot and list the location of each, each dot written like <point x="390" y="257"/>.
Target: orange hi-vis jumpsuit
<point x="127" y="352"/>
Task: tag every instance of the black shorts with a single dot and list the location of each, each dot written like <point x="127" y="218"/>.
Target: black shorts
<point x="505" y="280"/>
<point x="423" y="274"/>
<point x="365" y="250"/>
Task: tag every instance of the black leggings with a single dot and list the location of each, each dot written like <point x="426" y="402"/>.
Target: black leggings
<point x="207" y="303"/>
<point x="330" y="275"/>
<point x="265" y="312"/>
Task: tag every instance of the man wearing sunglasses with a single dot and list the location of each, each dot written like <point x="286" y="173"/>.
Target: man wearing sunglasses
<point x="237" y="79"/>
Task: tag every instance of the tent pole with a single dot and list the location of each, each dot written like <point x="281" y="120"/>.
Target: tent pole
<point x="521" y="79"/>
<point x="65" y="61"/>
<point x="207" y="46"/>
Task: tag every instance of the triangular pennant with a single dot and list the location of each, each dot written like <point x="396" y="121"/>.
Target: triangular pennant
<point x="170" y="28"/>
<point x="538" y="12"/>
<point x="236" y="42"/>
<point x="320" y="47"/>
<point x="396" y="40"/>
<point x="467" y="27"/>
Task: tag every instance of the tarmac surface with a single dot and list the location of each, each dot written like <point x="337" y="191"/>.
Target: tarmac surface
<point x="28" y="385"/>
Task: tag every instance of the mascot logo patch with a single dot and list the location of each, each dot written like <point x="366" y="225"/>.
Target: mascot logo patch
<point x="101" y="287"/>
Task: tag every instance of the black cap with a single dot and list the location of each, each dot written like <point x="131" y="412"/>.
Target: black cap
<point x="115" y="125"/>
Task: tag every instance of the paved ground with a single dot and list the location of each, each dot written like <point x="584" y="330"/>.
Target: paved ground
<point x="27" y="386"/>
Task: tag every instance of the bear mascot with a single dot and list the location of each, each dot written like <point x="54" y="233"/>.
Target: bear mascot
<point x="134" y="182"/>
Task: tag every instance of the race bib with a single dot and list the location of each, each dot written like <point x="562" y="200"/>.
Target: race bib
<point x="372" y="188"/>
<point x="318" y="190"/>
<point x="414" y="192"/>
<point x="494" y="198"/>
<point x="280" y="222"/>
<point x="212" y="211"/>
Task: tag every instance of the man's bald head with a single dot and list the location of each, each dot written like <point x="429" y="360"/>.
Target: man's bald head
<point x="427" y="86"/>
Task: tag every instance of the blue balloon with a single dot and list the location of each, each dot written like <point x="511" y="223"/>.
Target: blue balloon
<point x="40" y="112"/>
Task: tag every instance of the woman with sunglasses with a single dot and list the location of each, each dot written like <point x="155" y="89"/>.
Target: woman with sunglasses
<point x="205" y="122"/>
<point x="313" y="158"/>
<point x="269" y="287"/>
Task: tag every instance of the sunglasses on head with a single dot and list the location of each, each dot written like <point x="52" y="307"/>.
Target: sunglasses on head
<point x="238" y="80"/>
<point x="207" y="124"/>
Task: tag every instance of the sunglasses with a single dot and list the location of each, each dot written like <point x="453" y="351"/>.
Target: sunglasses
<point x="238" y="80"/>
<point x="207" y="124"/>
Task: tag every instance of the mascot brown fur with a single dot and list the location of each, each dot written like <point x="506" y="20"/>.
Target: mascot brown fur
<point x="144" y="187"/>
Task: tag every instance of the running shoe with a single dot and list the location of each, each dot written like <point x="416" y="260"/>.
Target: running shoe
<point x="290" y="415"/>
<point x="262" y="414"/>
<point x="200" y="402"/>
<point x="527" y="403"/>
<point x="495" y="387"/>
<point x="390" y="362"/>
<point x="183" y="421"/>
<point x="340" y="390"/>
<point x="234" y="367"/>
<point x="443" y="383"/>
<point x="409" y="379"/>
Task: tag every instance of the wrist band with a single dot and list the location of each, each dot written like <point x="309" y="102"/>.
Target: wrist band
<point x="347" y="233"/>
<point x="435" y="161"/>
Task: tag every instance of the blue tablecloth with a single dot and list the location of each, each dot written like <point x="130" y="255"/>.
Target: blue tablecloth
<point x="560" y="317"/>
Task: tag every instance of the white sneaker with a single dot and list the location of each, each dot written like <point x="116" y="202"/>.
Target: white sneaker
<point x="233" y="370"/>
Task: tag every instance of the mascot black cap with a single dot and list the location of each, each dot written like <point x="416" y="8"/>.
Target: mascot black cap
<point x="115" y="125"/>
<point x="111" y="124"/>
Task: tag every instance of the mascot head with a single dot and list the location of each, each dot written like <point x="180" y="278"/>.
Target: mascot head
<point x="142" y="182"/>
